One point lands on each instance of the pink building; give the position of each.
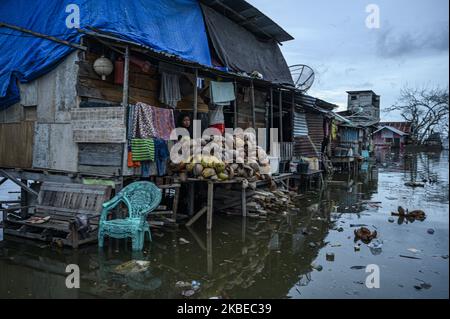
(388, 136)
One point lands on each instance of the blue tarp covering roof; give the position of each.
(172, 26)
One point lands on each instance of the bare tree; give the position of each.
(426, 109)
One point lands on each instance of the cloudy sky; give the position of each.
(411, 47)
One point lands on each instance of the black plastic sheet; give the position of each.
(241, 51)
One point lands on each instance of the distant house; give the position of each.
(388, 136)
(405, 127)
(434, 140)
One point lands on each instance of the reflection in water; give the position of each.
(273, 258)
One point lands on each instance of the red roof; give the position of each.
(401, 126)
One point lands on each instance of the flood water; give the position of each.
(275, 258)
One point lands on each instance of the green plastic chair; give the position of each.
(141, 198)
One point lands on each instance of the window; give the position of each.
(354, 97)
(388, 140)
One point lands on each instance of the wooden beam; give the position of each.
(244, 201)
(20, 184)
(196, 217)
(43, 36)
(210, 207)
(126, 77)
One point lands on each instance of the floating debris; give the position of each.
(133, 266)
(430, 231)
(411, 216)
(183, 241)
(414, 184)
(317, 267)
(330, 256)
(410, 257)
(365, 235)
(358, 267)
(391, 219)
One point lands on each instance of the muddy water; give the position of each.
(284, 257)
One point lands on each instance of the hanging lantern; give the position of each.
(103, 67)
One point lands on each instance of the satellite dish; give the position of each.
(303, 76)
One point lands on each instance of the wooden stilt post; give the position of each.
(209, 213)
(191, 190)
(244, 201)
(235, 105)
(126, 77)
(281, 115)
(195, 106)
(271, 107)
(253, 106)
(209, 253)
(24, 199)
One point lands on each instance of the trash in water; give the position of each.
(316, 266)
(133, 266)
(410, 257)
(365, 235)
(414, 184)
(413, 250)
(188, 293)
(184, 241)
(375, 247)
(357, 247)
(330, 256)
(358, 267)
(423, 285)
(430, 231)
(410, 216)
(182, 284)
(376, 244)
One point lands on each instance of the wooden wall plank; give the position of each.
(100, 154)
(16, 145)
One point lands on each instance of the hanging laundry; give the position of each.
(222, 93)
(161, 156)
(143, 126)
(170, 93)
(130, 162)
(143, 150)
(163, 122)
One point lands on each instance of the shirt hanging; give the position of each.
(222, 93)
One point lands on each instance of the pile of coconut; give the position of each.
(222, 158)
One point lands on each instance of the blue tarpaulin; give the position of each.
(172, 26)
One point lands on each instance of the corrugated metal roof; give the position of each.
(392, 129)
(251, 18)
(402, 126)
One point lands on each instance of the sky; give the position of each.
(410, 47)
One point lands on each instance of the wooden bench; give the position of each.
(64, 204)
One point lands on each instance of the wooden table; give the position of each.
(309, 176)
(348, 160)
(208, 209)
